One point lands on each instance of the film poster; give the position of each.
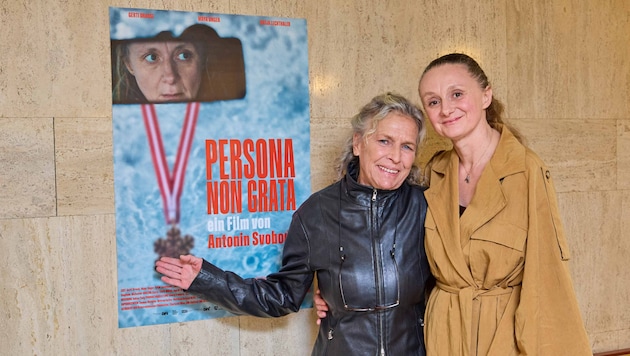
(211, 149)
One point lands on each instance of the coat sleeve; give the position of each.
(276, 295)
(548, 320)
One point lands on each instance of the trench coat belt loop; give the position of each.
(469, 304)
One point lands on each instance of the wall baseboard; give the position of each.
(624, 352)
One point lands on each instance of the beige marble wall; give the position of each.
(562, 68)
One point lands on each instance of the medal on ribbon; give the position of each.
(171, 183)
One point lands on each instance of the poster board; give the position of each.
(211, 149)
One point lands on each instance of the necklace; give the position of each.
(467, 179)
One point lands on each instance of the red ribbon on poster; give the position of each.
(171, 185)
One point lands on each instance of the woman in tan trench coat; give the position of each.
(494, 238)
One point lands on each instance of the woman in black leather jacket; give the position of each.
(362, 236)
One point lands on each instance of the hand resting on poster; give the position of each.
(179, 272)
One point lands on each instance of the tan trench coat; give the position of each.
(503, 284)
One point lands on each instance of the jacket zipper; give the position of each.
(379, 272)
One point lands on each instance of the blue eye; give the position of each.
(184, 56)
(151, 58)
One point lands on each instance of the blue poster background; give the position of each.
(276, 106)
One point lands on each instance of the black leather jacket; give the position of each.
(364, 228)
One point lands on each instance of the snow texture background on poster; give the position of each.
(275, 109)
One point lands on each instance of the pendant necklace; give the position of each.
(467, 179)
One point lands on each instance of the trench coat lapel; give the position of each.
(489, 198)
(487, 202)
(442, 197)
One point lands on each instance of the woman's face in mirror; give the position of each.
(166, 71)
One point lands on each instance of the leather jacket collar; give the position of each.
(363, 194)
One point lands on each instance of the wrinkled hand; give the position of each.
(320, 306)
(179, 272)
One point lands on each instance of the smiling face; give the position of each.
(454, 100)
(165, 71)
(387, 155)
